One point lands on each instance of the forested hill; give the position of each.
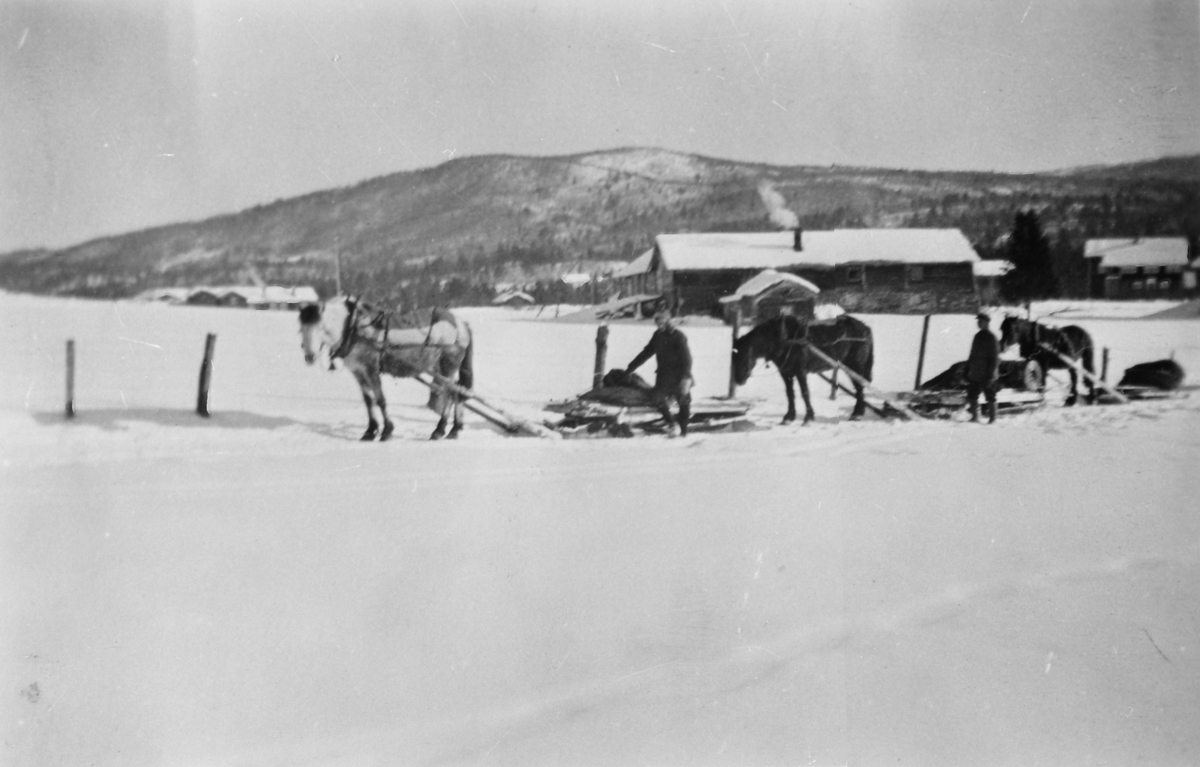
(475, 221)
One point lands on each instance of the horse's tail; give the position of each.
(862, 332)
(466, 371)
(869, 364)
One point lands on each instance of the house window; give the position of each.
(916, 273)
(1164, 285)
(854, 274)
(1137, 284)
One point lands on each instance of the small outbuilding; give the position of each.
(768, 294)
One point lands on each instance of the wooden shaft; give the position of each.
(504, 420)
(205, 375)
(71, 378)
(1104, 366)
(830, 379)
(1074, 364)
(833, 385)
(601, 355)
(921, 354)
(855, 377)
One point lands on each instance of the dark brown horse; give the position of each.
(785, 341)
(1048, 346)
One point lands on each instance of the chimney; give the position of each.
(797, 243)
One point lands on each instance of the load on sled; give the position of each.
(1020, 388)
(622, 405)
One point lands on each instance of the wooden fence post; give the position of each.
(205, 375)
(737, 323)
(601, 355)
(921, 354)
(70, 378)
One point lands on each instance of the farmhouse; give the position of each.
(864, 270)
(1145, 267)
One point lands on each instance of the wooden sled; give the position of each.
(944, 403)
(583, 418)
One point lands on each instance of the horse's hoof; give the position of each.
(368, 437)
(454, 433)
(437, 434)
(387, 432)
(1070, 402)
(855, 416)
(787, 419)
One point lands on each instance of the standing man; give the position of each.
(669, 347)
(983, 369)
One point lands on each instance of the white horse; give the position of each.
(370, 342)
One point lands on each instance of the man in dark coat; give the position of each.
(669, 347)
(983, 369)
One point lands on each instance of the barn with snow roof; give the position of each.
(864, 270)
(1140, 267)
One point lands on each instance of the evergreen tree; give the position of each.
(1032, 275)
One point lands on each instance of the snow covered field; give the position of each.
(260, 588)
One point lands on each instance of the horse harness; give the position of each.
(351, 332)
(802, 341)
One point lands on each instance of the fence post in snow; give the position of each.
(601, 354)
(70, 378)
(737, 327)
(205, 375)
(921, 354)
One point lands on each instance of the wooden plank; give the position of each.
(1096, 381)
(901, 409)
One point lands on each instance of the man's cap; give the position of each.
(984, 317)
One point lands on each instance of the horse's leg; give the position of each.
(368, 395)
(1073, 397)
(1088, 365)
(381, 402)
(860, 402)
(809, 415)
(790, 415)
(440, 430)
(457, 408)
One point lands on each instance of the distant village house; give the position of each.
(240, 296)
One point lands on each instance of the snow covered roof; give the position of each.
(991, 268)
(511, 295)
(774, 250)
(768, 278)
(1144, 251)
(639, 265)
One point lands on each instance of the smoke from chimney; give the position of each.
(777, 207)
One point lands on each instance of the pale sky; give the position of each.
(117, 115)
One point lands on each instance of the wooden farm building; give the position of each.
(864, 270)
(1146, 267)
